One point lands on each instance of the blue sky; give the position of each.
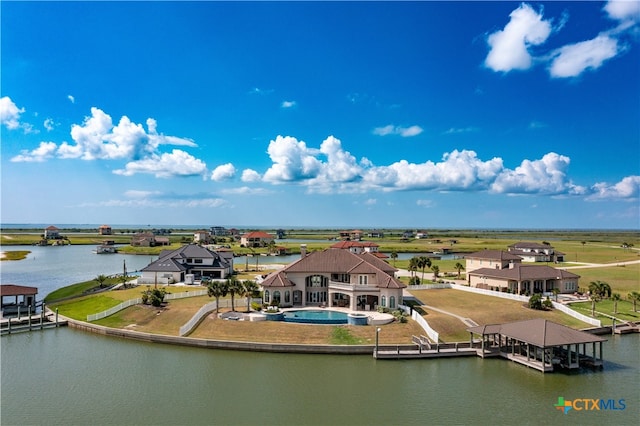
(323, 114)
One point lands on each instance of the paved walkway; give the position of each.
(467, 321)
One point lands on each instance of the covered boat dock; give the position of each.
(16, 299)
(540, 344)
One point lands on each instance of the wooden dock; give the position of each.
(33, 323)
(425, 349)
(627, 327)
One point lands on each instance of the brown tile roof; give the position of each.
(539, 332)
(278, 279)
(257, 234)
(338, 261)
(17, 290)
(522, 272)
(492, 255)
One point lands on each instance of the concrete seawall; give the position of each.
(233, 345)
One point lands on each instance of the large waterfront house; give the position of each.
(536, 252)
(51, 233)
(504, 271)
(256, 239)
(335, 277)
(188, 263)
(149, 239)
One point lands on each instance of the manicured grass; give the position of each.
(622, 279)
(343, 336)
(80, 308)
(625, 311)
(77, 289)
(15, 255)
(481, 309)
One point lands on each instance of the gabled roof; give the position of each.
(168, 259)
(493, 255)
(52, 228)
(349, 244)
(538, 332)
(521, 272)
(338, 261)
(257, 234)
(166, 264)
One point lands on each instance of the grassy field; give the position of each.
(14, 255)
(625, 311)
(622, 279)
(481, 309)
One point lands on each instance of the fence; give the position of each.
(429, 286)
(493, 293)
(577, 315)
(431, 333)
(131, 302)
(195, 320)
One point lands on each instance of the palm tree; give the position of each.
(250, 288)
(100, 279)
(616, 298)
(594, 298)
(555, 292)
(458, 267)
(217, 289)
(394, 256)
(234, 286)
(423, 262)
(436, 271)
(413, 265)
(600, 288)
(634, 296)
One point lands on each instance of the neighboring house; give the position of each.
(51, 233)
(105, 230)
(535, 252)
(335, 277)
(201, 237)
(359, 247)
(281, 234)
(354, 235)
(376, 233)
(420, 235)
(149, 239)
(174, 266)
(219, 231)
(524, 279)
(256, 239)
(496, 259)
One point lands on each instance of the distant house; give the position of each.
(280, 233)
(376, 233)
(175, 266)
(201, 236)
(354, 235)
(335, 277)
(51, 233)
(535, 252)
(256, 239)
(496, 259)
(105, 230)
(359, 247)
(219, 231)
(149, 239)
(524, 279)
(422, 235)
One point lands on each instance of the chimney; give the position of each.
(303, 250)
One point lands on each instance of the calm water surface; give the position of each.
(64, 376)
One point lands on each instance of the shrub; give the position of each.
(547, 304)
(535, 302)
(256, 306)
(415, 280)
(153, 297)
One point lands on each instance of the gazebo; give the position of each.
(539, 344)
(19, 298)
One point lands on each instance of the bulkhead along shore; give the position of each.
(387, 293)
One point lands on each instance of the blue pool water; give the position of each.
(316, 317)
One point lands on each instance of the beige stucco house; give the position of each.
(256, 239)
(335, 278)
(504, 271)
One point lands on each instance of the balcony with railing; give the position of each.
(336, 285)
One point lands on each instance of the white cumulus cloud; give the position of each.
(223, 172)
(627, 188)
(176, 163)
(292, 160)
(250, 175)
(10, 116)
(623, 10)
(573, 59)
(405, 132)
(288, 104)
(544, 176)
(509, 47)
(43, 152)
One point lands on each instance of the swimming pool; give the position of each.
(316, 317)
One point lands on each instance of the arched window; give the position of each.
(287, 296)
(384, 301)
(392, 302)
(266, 296)
(276, 296)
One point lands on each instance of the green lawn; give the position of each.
(625, 311)
(88, 305)
(622, 279)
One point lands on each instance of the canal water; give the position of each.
(64, 376)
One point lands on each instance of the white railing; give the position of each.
(428, 286)
(431, 333)
(352, 287)
(493, 293)
(577, 315)
(195, 320)
(131, 302)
